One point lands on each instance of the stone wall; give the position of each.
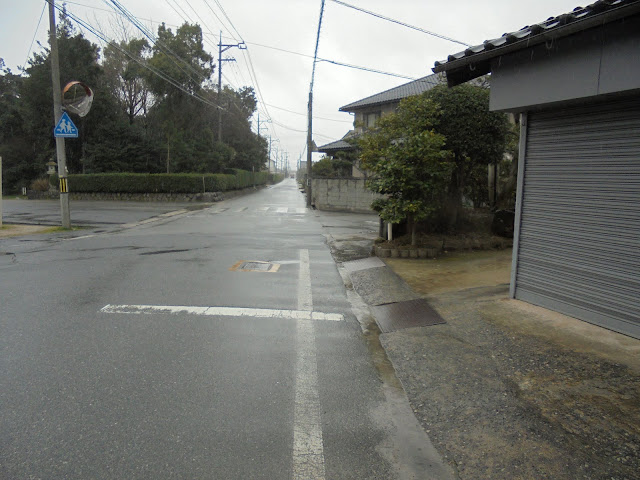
(342, 195)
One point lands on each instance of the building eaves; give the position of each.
(339, 145)
(415, 87)
(476, 60)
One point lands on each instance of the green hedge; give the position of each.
(165, 182)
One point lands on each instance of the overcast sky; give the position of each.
(269, 27)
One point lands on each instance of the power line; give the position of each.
(44, 5)
(366, 69)
(304, 114)
(334, 62)
(319, 59)
(228, 19)
(153, 70)
(400, 23)
(220, 20)
(156, 42)
(181, 9)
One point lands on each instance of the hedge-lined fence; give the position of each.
(168, 182)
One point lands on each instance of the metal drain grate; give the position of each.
(255, 266)
(413, 313)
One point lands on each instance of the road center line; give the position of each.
(308, 453)
(222, 312)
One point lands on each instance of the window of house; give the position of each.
(371, 119)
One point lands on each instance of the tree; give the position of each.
(251, 150)
(408, 163)
(328, 167)
(474, 135)
(126, 76)
(15, 149)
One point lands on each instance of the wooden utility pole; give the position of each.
(57, 114)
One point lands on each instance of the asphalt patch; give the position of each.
(379, 286)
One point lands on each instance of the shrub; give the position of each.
(165, 182)
(40, 185)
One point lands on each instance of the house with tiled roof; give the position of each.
(351, 194)
(367, 111)
(574, 81)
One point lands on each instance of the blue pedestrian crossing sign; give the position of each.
(65, 127)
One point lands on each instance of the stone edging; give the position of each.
(386, 252)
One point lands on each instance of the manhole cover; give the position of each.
(255, 266)
(413, 313)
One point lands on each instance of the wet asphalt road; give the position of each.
(98, 381)
(86, 213)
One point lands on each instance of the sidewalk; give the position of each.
(505, 389)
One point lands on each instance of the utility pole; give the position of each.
(310, 109)
(57, 114)
(309, 145)
(223, 48)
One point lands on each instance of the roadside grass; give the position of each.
(14, 230)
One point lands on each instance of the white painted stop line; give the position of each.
(222, 312)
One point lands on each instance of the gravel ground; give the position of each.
(506, 390)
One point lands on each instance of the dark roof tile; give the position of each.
(548, 26)
(416, 87)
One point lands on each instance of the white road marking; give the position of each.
(223, 312)
(77, 238)
(301, 210)
(282, 210)
(308, 453)
(305, 301)
(175, 212)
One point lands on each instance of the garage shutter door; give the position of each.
(579, 242)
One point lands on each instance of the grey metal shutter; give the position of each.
(579, 238)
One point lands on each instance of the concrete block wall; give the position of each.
(342, 195)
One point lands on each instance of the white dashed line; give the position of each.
(308, 453)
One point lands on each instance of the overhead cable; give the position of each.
(44, 5)
(145, 65)
(400, 23)
(373, 70)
